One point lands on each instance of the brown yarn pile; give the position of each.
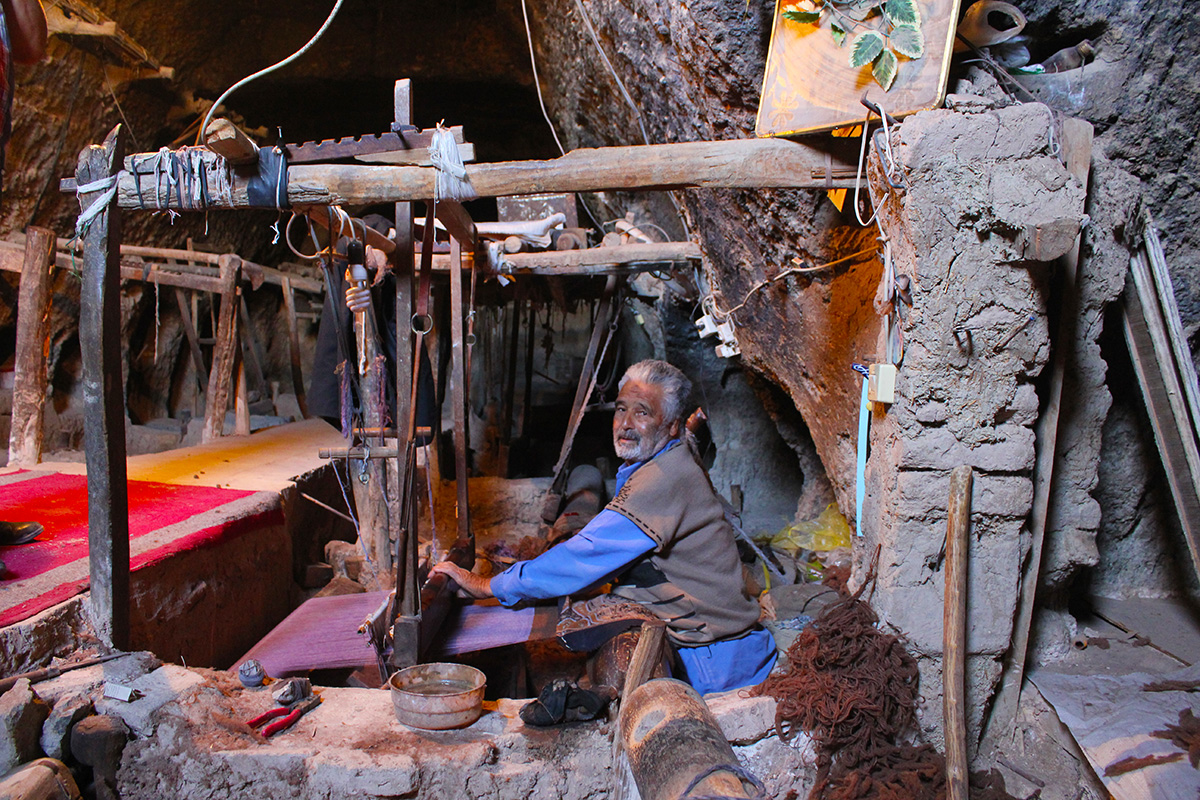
(853, 688)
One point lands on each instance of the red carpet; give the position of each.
(59, 502)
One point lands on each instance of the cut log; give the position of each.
(621, 260)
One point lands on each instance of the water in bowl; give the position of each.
(438, 687)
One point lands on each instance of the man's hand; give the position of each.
(359, 298)
(469, 584)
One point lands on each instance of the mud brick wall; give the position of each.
(988, 205)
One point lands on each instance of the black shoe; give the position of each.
(563, 701)
(19, 532)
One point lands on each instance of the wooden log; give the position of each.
(33, 350)
(732, 164)
(228, 141)
(954, 634)
(289, 303)
(739, 163)
(189, 330)
(224, 352)
(621, 260)
(458, 224)
(104, 398)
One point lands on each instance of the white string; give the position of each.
(208, 117)
(537, 83)
(98, 205)
(637, 114)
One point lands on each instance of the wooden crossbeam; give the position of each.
(734, 164)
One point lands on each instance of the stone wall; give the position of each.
(980, 184)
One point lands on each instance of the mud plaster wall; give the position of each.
(978, 185)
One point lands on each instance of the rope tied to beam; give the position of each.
(451, 182)
(109, 186)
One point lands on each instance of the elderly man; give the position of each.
(664, 540)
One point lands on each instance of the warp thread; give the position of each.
(451, 182)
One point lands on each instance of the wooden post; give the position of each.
(251, 348)
(289, 303)
(221, 378)
(459, 396)
(407, 626)
(241, 404)
(33, 349)
(954, 634)
(104, 396)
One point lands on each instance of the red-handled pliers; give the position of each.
(285, 717)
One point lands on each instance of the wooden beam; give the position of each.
(224, 352)
(458, 358)
(626, 259)
(459, 225)
(733, 164)
(104, 397)
(33, 350)
(417, 158)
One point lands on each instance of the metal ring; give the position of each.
(470, 339)
(287, 239)
(422, 329)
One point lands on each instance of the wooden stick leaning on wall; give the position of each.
(954, 634)
(217, 399)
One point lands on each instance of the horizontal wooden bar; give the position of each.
(598, 260)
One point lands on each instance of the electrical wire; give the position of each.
(711, 303)
(324, 27)
(537, 84)
(637, 114)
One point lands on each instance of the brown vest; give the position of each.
(692, 580)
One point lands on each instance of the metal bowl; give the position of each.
(438, 696)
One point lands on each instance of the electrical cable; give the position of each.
(325, 26)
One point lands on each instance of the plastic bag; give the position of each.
(826, 532)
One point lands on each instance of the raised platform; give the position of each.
(211, 541)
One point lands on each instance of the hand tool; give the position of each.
(284, 717)
(53, 672)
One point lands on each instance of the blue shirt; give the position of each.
(598, 553)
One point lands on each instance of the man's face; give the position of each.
(639, 426)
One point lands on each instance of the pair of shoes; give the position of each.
(19, 532)
(563, 701)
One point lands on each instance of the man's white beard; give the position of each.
(641, 450)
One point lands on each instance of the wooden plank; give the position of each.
(224, 352)
(459, 225)
(1145, 334)
(230, 143)
(738, 163)
(418, 157)
(104, 398)
(189, 330)
(289, 303)
(623, 260)
(1077, 147)
(1170, 312)
(954, 634)
(647, 654)
(33, 350)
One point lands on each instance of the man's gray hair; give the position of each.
(675, 385)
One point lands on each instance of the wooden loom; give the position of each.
(744, 164)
